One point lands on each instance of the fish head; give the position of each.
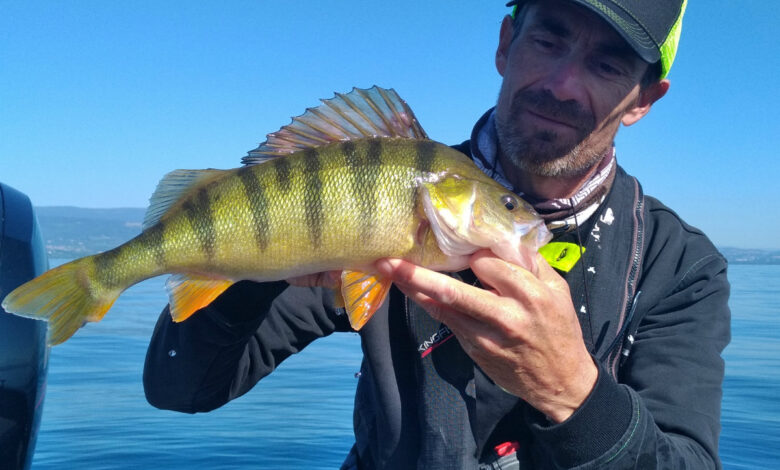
(469, 213)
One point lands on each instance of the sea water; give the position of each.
(95, 415)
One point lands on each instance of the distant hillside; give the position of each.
(72, 232)
(748, 256)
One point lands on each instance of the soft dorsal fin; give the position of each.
(171, 188)
(361, 113)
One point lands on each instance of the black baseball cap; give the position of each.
(651, 27)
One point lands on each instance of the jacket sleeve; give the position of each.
(665, 410)
(222, 351)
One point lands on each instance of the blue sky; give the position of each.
(100, 99)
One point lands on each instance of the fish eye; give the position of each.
(509, 201)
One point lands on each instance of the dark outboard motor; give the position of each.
(23, 352)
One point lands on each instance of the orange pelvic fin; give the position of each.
(188, 294)
(363, 293)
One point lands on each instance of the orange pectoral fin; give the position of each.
(187, 295)
(363, 294)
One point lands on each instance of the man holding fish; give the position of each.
(604, 353)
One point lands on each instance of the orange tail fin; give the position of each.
(63, 297)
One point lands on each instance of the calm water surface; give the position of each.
(95, 415)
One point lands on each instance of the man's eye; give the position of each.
(608, 69)
(544, 44)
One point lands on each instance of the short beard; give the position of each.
(541, 152)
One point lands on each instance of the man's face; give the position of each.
(569, 78)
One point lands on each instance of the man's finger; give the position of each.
(441, 288)
(507, 279)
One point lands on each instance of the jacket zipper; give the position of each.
(633, 274)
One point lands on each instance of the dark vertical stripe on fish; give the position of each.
(348, 149)
(365, 187)
(426, 151)
(153, 239)
(356, 167)
(374, 155)
(198, 212)
(313, 194)
(282, 170)
(255, 195)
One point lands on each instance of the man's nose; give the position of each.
(566, 81)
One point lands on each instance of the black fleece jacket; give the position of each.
(655, 317)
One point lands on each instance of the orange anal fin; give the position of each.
(363, 294)
(101, 308)
(187, 294)
(338, 299)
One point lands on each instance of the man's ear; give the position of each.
(504, 42)
(647, 97)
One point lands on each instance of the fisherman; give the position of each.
(603, 354)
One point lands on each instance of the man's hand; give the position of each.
(521, 328)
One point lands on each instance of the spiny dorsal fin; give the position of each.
(171, 189)
(361, 113)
